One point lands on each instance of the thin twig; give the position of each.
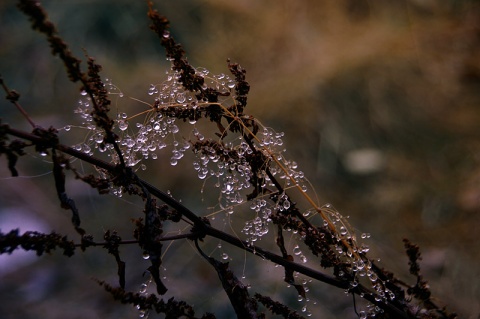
(13, 97)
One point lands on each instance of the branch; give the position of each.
(204, 229)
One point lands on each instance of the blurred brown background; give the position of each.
(379, 101)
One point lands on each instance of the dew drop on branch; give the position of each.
(122, 125)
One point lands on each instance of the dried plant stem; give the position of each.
(272, 156)
(13, 97)
(202, 229)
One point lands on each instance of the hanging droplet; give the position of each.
(174, 129)
(181, 97)
(303, 258)
(152, 89)
(296, 250)
(143, 288)
(224, 256)
(122, 125)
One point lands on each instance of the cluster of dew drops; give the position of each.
(142, 137)
(155, 131)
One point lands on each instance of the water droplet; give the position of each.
(296, 250)
(173, 161)
(83, 93)
(120, 94)
(98, 138)
(202, 71)
(224, 256)
(86, 148)
(181, 97)
(364, 248)
(231, 84)
(174, 129)
(152, 90)
(146, 256)
(67, 128)
(122, 125)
